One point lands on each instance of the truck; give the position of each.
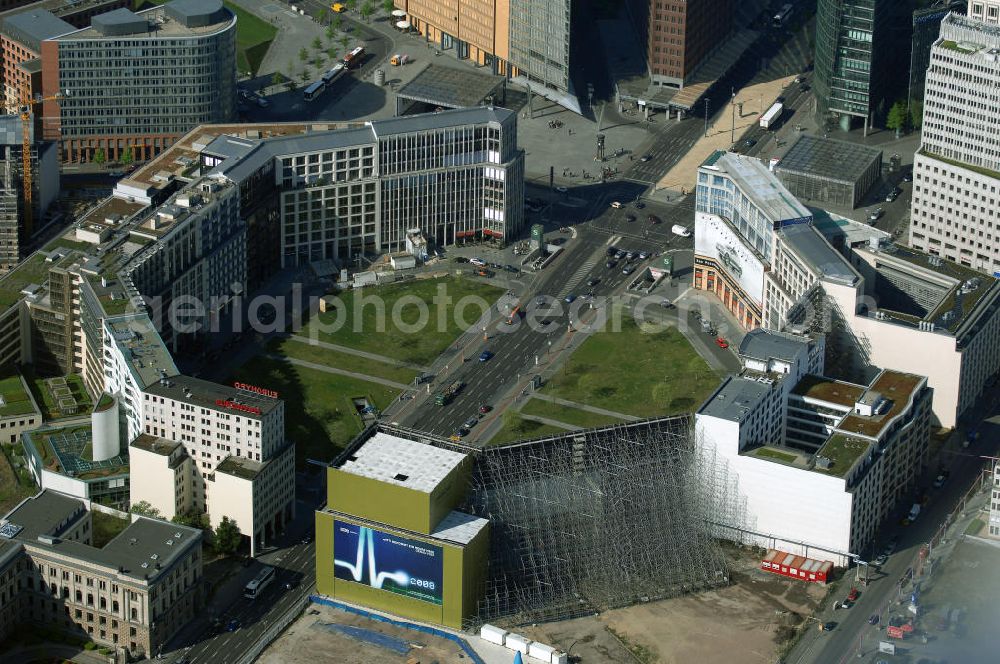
(770, 119)
(444, 397)
(680, 230)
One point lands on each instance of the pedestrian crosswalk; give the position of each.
(579, 276)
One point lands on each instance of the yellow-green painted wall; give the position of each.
(377, 501)
(463, 576)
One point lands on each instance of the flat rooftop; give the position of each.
(241, 467)
(450, 87)
(159, 25)
(736, 396)
(459, 527)
(32, 26)
(15, 398)
(139, 341)
(896, 387)
(757, 182)
(155, 444)
(762, 344)
(829, 390)
(843, 452)
(68, 450)
(402, 462)
(829, 159)
(815, 250)
(205, 394)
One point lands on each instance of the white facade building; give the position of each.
(956, 171)
(985, 10)
(814, 465)
(232, 460)
(994, 530)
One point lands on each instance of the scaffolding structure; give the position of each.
(595, 519)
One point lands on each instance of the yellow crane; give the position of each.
(27, 177)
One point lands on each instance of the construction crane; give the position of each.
(27, 103)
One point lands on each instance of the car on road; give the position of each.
(616, 205)
(939, 481)
(630, 256)
(882, 559)
(291, 584)
(873, 619)
(511, 268)
(750, 142)
(478, 261)
(852, 596)
(629, 218)
(646, 157)
(569, 298)
(721, 343)
(804, 87)
(828, 626)
(233, 625)
(893, 195)
(612, 251)
(485, 356)
(875, 214)
(667, 304)
(562, 190)
(471, 422)
(628, 269)
(643, 255)
(890, 546)
(620, 254)
(593, 281)
(484, 408)
(611, 264)
(908, 177)
(653, 219)
(460, 433)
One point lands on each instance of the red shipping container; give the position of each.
(797, 567)
(894, 632)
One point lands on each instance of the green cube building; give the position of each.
(390, 537)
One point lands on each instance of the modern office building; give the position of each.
(116, 102)
(14, 237)
(987, 11)
(221, 450)
(682, 34)
(860, 50)
(927, 19)
(956, 171)
(132, 594)
(816, 463)
(823, 170)
(515, 38)
(391, 506)
(776, 264)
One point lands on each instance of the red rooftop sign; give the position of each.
(256, 390)
(232, 405)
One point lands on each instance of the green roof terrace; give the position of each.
(898, 388)
(16, 400)
(829, 390)
(843, 452)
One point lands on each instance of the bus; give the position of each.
(781, 18)
(354, 58)
(314, 90)
(256, 586)
(334, 73)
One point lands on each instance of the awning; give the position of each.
(465, 233)
(489, 231)
(403, 25)
(399, 13)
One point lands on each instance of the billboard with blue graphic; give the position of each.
(387, 562)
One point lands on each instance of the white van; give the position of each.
(914, 512)
(681, 230)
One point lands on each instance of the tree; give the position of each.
(321, 16)
(336, 22)
(100, 158)
(227, 537)
(917, 114)
(127, 156)
(303, 54)
(344, 41)
(388, 6)
(351, 4)
(317, 44)
(331, 34)
(143, 508)
(367, 10)
(896, 120)
(277, 78)
(332, 53)
(193, 519)
(304, 75)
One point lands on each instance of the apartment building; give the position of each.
(814, 464)
(135, 82)
(233, 461)
(14, 235)
(133, 594)
(21, 37)
(681, 34)
(515, 38)
(956, 171)
(987, 11)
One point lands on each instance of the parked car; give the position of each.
(892, 195)
(478, 261)
(616, 205)
(612, 250)
(908, 177)
(611, 264)
(593, 281)
(875, 214)
(484, 408)
(873, 619)
(643, 255)
(646, 157)
(852, 596)
(461, 259)
(569, 298)
(233, 625)
(511, 268)
(620, 254)
(471, 422)
(461, 433)
(750, 142)
(628, 269)
(939, 481)
(630, 256)
(653, 219)
(562, 190)
(721, 343)
(828, 626)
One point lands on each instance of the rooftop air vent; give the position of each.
(177, 535)
(144, 565)
(823, 462)
(155, 556)
(400, 477)
(170, 542)
(133, 542)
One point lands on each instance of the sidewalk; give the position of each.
(591, 409)
(354, 351)
(340, 372)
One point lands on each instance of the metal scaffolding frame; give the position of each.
(595, 519)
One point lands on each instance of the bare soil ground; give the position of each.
(324, 635)
(743, 622)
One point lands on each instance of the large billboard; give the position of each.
(714, 238)
(387, 562)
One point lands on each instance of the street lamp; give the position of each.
(706, 115)
(732, 102)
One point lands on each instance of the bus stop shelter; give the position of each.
(440, 87)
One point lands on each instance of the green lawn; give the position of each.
(304, 351)
(319, 415)
(516, 427)
(375, 331)
(11, 490)
(635, 373)
(47, 403)
(253, 35)
(581, 418)
(106, 527)
(16, 400)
